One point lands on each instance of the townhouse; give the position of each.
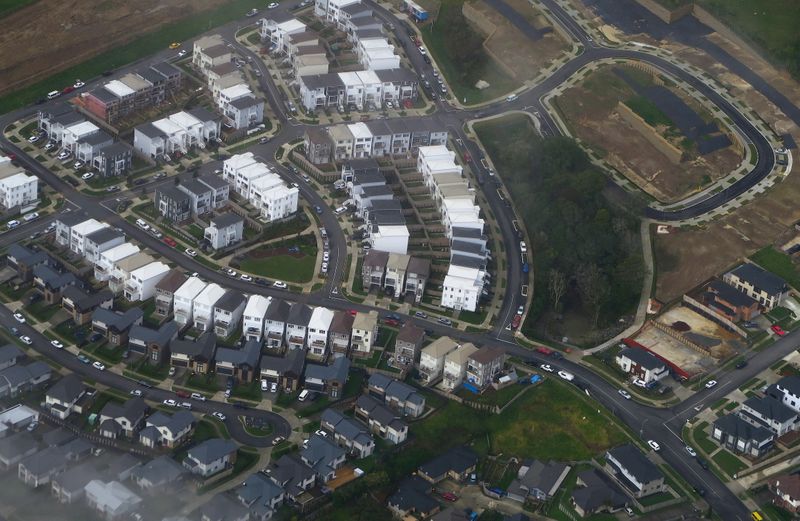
(141, 285)
(330, 10)
(161, 473)
(417, 274)
(381, 420)
(228, 312)
(52, 283)
(286, 371)
(276, 28)
(770, 413)
(373, 268)
(631, 468)
(397, 395)
(275, 322)
(728, 302)
(173, 204)
(40, 468)
(183, 300)
(347, 433)
(737, 435)
(241, 364)
(240, 107)
(641, 364)
(194, 355)
(177, 133)
(107, 260)
(122, 419)
(123, 269)
(210, 51)
(164, 430)
(262, 187)
(210, 457)
(65, 397)
(431, 360)
(766, 288)
(115, 326)
(484, 365)
(260, 495)
(365, 333)
(297, 325)
(323, 456)
(318, 326)
(153, 344)
(18, 190)
(462, 288)
(23, 260)
(396, 267)
(81, 304)
(101, 240)
(408, 344)
(224, 230)
(18, 379)
(203, 307)
(455, 366)
(165, 291)
(328, 379)
(362, 90)
(292, 475)
(253, 317)
(79, 233)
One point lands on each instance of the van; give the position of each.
(512, 97)
(523, 247)
(303, 395)
(142, 224)
(53, 94)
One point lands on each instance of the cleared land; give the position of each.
(677, 150)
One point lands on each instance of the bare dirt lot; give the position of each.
(520, 55)
(593, 111)
(675, 351)
(50, 35)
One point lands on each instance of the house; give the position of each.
(225, 230)
(462, 288)
(223, 507)
(296, 325)
(413, 498)
(274, 199)
(347, 433)
(456, 464)
(728, 302)
(365, 333)
(275, 323)
(260, 495)
(373, 268)
(241, 364)
(165, 291)
(538, 480)
(381, 420)
(770, 413)
(19, 379)
(397, 395)
(24, 260)
(101, 240)
(408, 343)
(631, 468)
(417, 275)
(253, 317)
(220, 190)
(183, 300)
(276, 27)
(112, 500)
(64, 397)
(82, 304)
(210, 457)
(114, 326)
(596, 493)
(128, 417)
(163, 430)
(322, 456)
(16, 417)
(152, 344)
(292, 475)
(18, 190)
(328, 379)
(317, 146)
(395, 278)
(786, 491)
(787, 389)
(142, 282)
(203, 306)
(455, 366)
(123, 269)
(173, 204)
(158, 474)
(176, 134)
(228, 312)
(10, 355)
(484, 365)
(69, 486)
(64, 224)
(113, 160)
(431, 360)
(15, 448)
(210, 51)
(107, 260)
(52, 283)
(39, 468)
(340, 330)
(641, 364)
(735, 434)
(286, 371)
(80, 232)
(194, 355)
(766, 288)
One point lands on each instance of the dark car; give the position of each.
(95, 337)
(741, 364)
(700, 491)
(703, 463)
(240, 405)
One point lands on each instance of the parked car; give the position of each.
(264, 385)
(26, 339)
(57, 344)
(445, 321)
(78, 84)
(169, 402)
(99, 366)
(691, 451)
(654, 445)
(170, 242)
(185, 405)
(449, 496)
(246, 278)
(12, 224)
(62, 155)
(566, 376)
(280, 285)
(277, 440)
(420, 314)
(198, 396)
(625, 394)
(710, 384)
(84, 359)
(547, 367)
(19, 317)
(30, 216)
(87, 175)
(272, 5)
(219, 416)
(136, 392)
(778, 330)
(171, 371)
(190, 252)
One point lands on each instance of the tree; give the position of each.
(593, 287)
(557, 286)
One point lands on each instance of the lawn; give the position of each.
(251, 391)
(318, 405)
(155, 372)
(245, 459)
(458, 51)
(729, 463)
(492, 397)
(141, 46)
(42, 311)
(201, 382)
(701, 438)
(284, 267)
(778, 263)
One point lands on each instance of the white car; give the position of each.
(170, 402)
(87, 176)
(62, 155)
(653, 445)
(19, 318)
(520, 310)
(326, 256)
(566, 376)
(264, 385)
(26, 339)
(272, 5)
(273, 387)
(246, 278)
(320, 432)
(57, 344)
(78, 84)
(30, 216)
(280, 285)
(198, 396)
(691, 451)
(12, 224)
(219, 416)
(710, 384)
(185, 405)
(78, 164)
(99, 366)
(547, 367)
(190, 252)
(33, 139)
(182, 53)
(625, 394)
(136, 392)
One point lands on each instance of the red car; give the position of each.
(516, 321)
(183, 394)
(778, 330)
(170, 241)
(353, 312)
(467, 157)
(449, 496)
(391, 322)
(67, 90)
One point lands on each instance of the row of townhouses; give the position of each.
(85, 140)
(257, 183)
(176, 134)
(396, 274)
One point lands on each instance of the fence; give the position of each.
(709, 313)
(94, 438)
(311, 169)
(680, 338)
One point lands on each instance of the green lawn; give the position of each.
(141, 46)
(701, 438)
(778, 263)
(201, 382)
(42, 311)
(284, 267)
(729, 463)
(318, 405)
(245, 459)
(251, 391)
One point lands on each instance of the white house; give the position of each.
(183, 300)
(276, 28)
(178, 132)
(79, 232)
(364, 333)
(431, 360)
(390, 238)
(100, 241)
(318, 327)
(203, 306)
(224, 230)
(232, 165)
(642, 364)
(123, 268)
(462, 288)
(455, 366)
(247, 175)
(107, 259)
(329, 10)
(75, 133)
(142, 282)
(227, 312)
(245, 111)
(18, 190)
(273, 197)
(253, 317)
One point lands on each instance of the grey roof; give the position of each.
(203, 114)
(68, 389)
(258, 492)
(457, 459)
(410, 333)
(360, 22)
(289, 472)
(320, 453)
(377, 191)
(150, 75)
(246, 102)
(175, 423)
(17, 375)
(293, 362)
(542, 476)
(299, 314)
(467, 261)
(158, 471)
(9, 352)
(366, 176)
(342, 323)
(25, 255)
(211, 450)
(227, 219)
(53, 279)
(194, 186)
(74, 479)
(173, 280)
(150, 130)
(131, 410)
(57, 437)
(121, 465)
(45, 460)
(16, 444)
(231, 300)
(247, 355)
(109, 425)
(222, 507)
(334, 372)
(368, 33)
(84, 301)
(278, 310)
(733, 425)
(104, 95)
(202, 347)
(77, 447)
(166, 68)
(376, 258)
(117, 321)
(635, 462)
(398, 75)
(770, 408)
(599, 491)
(419, 266)
(321, 81)
(346, 427)
(641, 357)
(160, 336)
(386, 217)
(386, 204)
(383, 415)
(213, 180)
(68, 118)
(115, 149)
(791, 383)
(171, 191)
(96, 138)
(224, 68)
(412, 495)
(467, 247)
(215, 51)
(104, 235)
(466, 233)
(396, 389)
(356, 8)
(760, 278)
(730, 294)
